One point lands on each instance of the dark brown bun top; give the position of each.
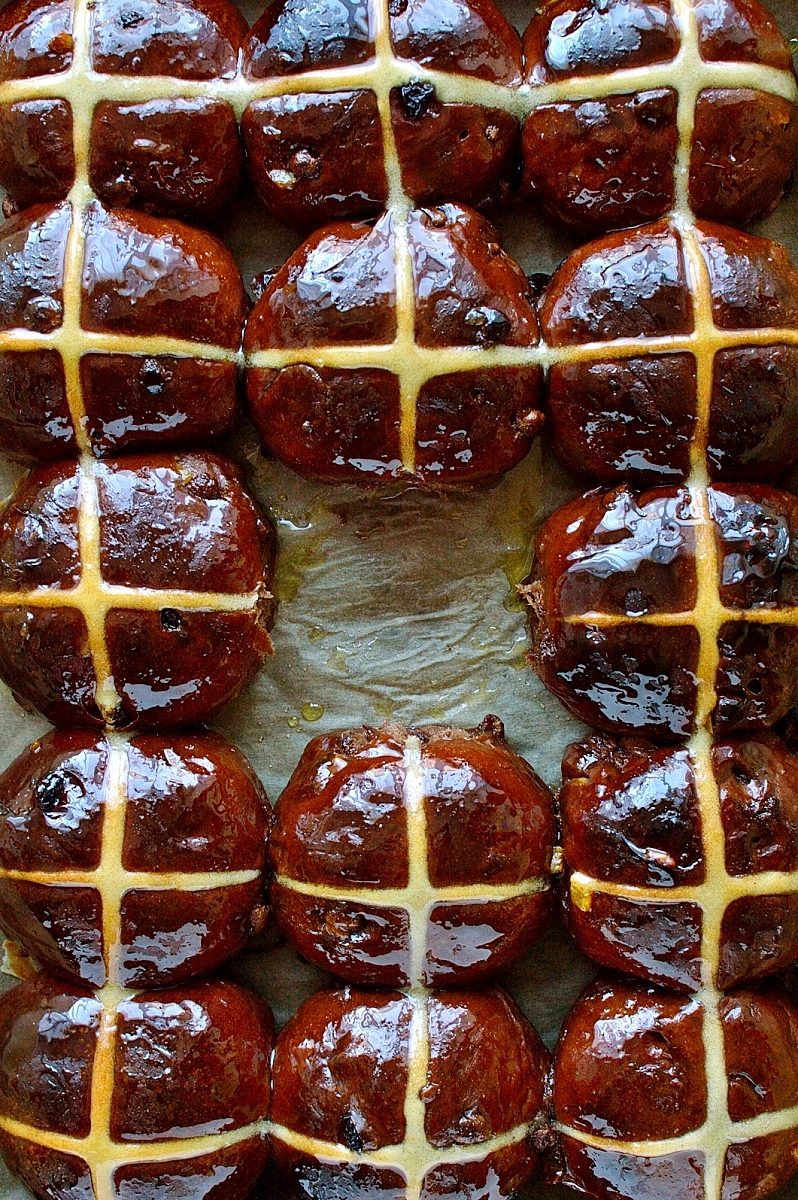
(137, 862)
(35, 38)
(340, 287)
(635, 411)
(487, 812)
(170, 153)
(618, 617)
(455, 420)
(192, 559)
(634, 284)
(473, 38)
(636, 1065)
(663, 344)
(594, 1083)
(200, 38)
(161, 308)
(151, 1087)
(190, 39)
(611, 785)
(407, 856)
(592, 158)
(587, 37)
(179, 154)
(142, 276)
(598, 156)
(644, 895)
(446, 1087)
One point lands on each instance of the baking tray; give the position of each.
(400, 605)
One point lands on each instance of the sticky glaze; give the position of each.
(637, 877)
(600, 84)
(640, 1109)
(459, 297)
(620, 622)
(149, 356)
(633, 413)
(170, 155)
(649, 125)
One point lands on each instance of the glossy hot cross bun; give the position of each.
(418, 856)
(654, 613)
(661, 338)
(133, 592)
(391, 1095)
(76, 86)
(419, 104)
(682, 862)
(646, 105)
(656, 1095)
(117, 332)
(137, 862)
(135, 1094)
(377, 351)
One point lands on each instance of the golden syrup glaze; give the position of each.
(631, 833)
(718, 1132)
(413, 1159)
(415, 1072)
(707, 616)
(690, 72)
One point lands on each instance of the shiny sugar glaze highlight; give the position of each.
(639, 323)
(119, 332)
(655, 613)
(638, 885)
(397, 1095)
(657, 1094)
(652, 341)
(378, 351)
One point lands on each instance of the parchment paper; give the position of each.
(400, 605)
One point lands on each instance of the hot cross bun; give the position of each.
(424, 1093)
(133, 592)
(117, 1093)
(132, 861)
(418, 856)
